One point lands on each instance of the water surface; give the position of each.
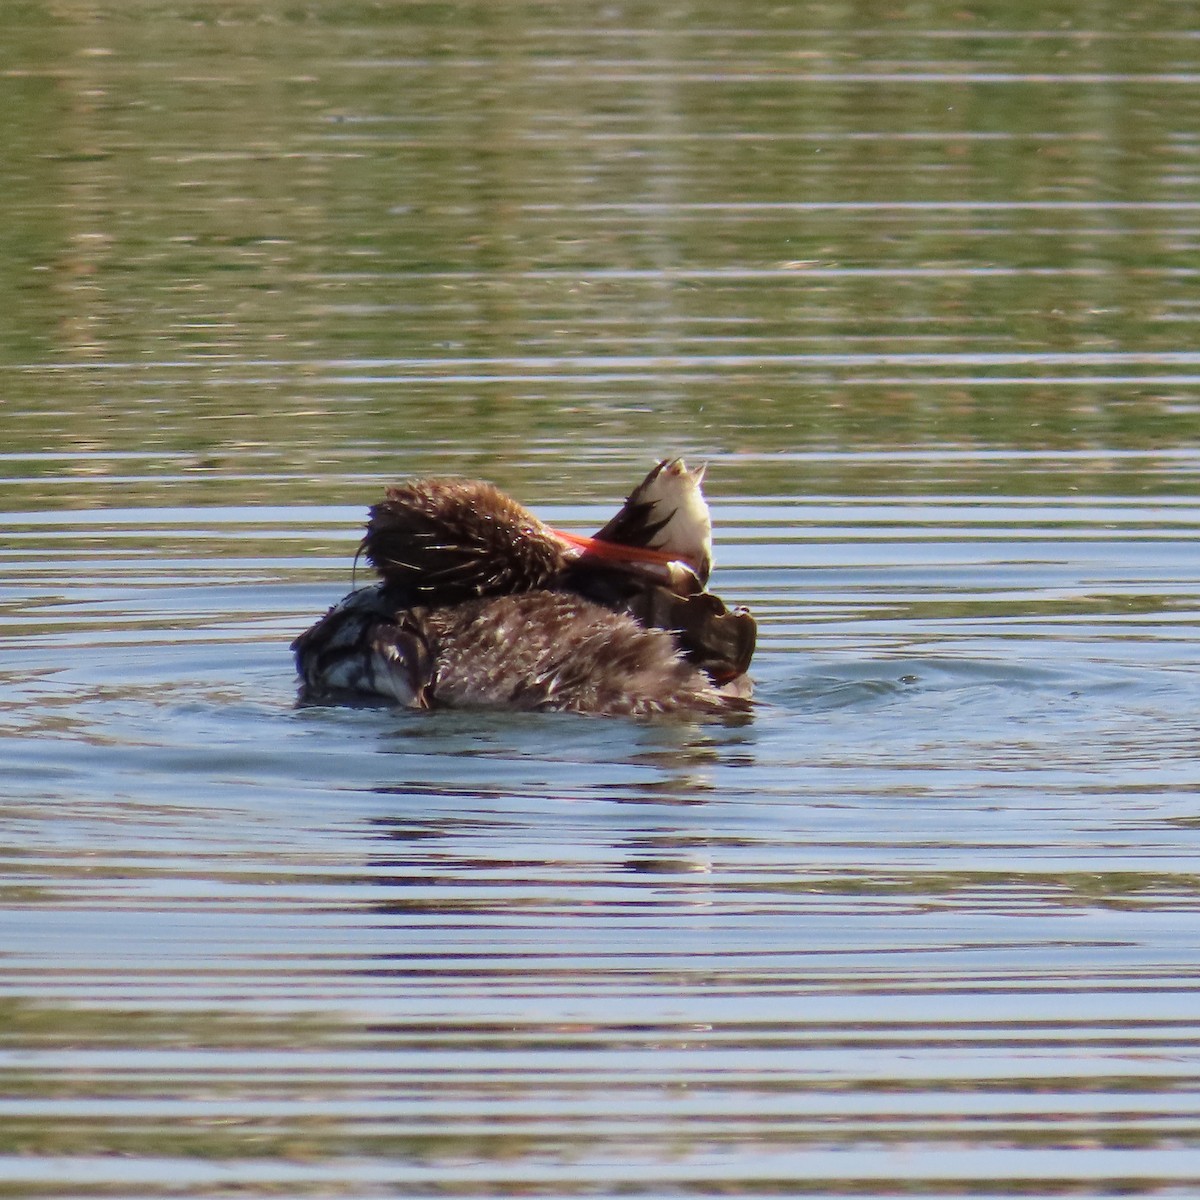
(918, 284)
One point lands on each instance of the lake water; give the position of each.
(919, 284)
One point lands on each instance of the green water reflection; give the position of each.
(468, 230)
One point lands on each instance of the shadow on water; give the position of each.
(565, 758)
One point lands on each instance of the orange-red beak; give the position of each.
(612, 551)
(673, 572)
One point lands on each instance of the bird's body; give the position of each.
(481, 605)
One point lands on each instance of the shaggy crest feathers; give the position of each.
(458, 538)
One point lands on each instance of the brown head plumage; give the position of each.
(448, 540)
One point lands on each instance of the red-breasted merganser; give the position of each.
(482, 605)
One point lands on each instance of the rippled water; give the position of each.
(934, 905)
(919, 285)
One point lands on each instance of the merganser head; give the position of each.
(448, 540)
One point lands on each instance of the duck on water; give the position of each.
(482, 605)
